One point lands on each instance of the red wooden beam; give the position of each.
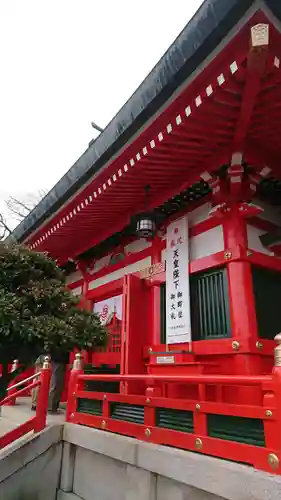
(255, 69)
(251, 380)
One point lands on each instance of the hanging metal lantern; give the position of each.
(146, 223)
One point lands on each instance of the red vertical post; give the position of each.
(272, 421)
(156, 256)
(43, 396)
(77, 370)
(242, 303)
(135, 331)
(84, 303)
(156, 250)
(155, 308)
(241, 294)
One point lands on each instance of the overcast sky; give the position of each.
(65, 63)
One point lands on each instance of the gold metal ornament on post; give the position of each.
(235, 345)
(198, 444)
(277, 350)
(259, 345)
(78, 365)
(227, 255)
(147, 433)
(273, 461)
(46, 364)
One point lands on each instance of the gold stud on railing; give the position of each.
(235, 345)
(268, 413)
(259, 345)
(105, 397)
(197, 407)
(227, 255)
(273, 461)
(277, 350)
(198, 444)
(147, 401)
(147, 433)
(46, 364)
(77, 365)
(103, 424)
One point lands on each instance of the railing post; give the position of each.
(15, 366)
(77, 370)
(43, 396)
(274, 458)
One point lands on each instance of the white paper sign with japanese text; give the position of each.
(178, 321)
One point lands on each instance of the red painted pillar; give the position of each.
(241, 294)
(84, 304)
(43, 396)
(242, 302)
(155, 323)
(72, 387)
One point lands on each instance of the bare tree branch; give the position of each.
(4, 229)
(12, 202)
(17, 210)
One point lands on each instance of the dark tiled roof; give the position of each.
(199, 38)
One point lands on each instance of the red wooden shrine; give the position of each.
(211, 153)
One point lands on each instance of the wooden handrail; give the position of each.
(24, 381)
(20, 392)
(194, 379)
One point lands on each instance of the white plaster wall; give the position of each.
(120, 273)
(270, 213)
(254, 243)
(207, 243)
(204, 244)
(137, 246)
(101, 263)
(71, 278)
(199, 214)
(163, 255)
(77, 291)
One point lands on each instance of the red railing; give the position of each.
(21, 377)
(37, 423)
(264, 454)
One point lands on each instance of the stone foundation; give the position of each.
(73, 462)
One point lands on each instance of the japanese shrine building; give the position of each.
(184, 186)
